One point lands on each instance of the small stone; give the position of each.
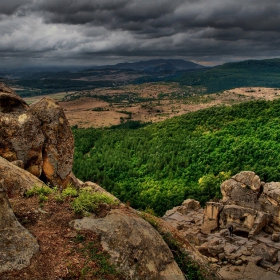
(42, 211)
(225, 262)
(268, 230)
(246, 253)
(275, 237)
(238, 262)
(214, 260)
(236, 269)
(71, 234)
(221, 256)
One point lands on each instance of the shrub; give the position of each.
(41, 191)
(69, 191)
(88, 201)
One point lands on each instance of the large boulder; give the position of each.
(9, 101)
(270, 201)
(38, 135)
(59, 141)
(16, 180)
(17, 245)
(266, 252)
(249, 179)
(243, 219)
(134, 245)
(21, 136)
(242, 189)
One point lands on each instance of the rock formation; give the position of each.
(16, 179)
(38, 135)
(253, 209)
(17, 245)
(134, 245)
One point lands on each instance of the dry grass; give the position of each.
(82, 112)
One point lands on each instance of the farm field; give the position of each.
(159, 102)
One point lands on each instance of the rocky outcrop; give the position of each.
(9, 101)
(211, 217)
(134, 245)
(16, 180)
(58, 147)
(38, 135)
(252, 207)
(17, 245)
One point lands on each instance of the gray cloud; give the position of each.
(106, 31)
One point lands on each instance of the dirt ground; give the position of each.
(64, 252)
(81, 112)
(160, 102)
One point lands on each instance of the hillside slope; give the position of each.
(250, 73)
(162, 164)
(156, 65)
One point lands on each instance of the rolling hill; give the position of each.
(156, 65)
(159, 165)
(250, 73)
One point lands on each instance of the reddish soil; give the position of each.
(82, 112)
(64, 253)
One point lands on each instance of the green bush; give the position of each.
(88, 201)
(41, 191)
(69, 192)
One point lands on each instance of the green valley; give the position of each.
(157, 166)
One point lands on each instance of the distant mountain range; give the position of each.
(156, 65)
(248, 73)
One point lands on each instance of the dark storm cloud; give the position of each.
(199, 30)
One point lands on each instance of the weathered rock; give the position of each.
(239, 262)
(195, 238)
(265, 252)
(272, 191)
(133, 245)
(268, 229)
(21, 137)
(246, 253)
(221, 256)
(213, 247)
(188, 205)
(252, 207)
(211, 217)
(270, 201)
(17, 180)
(17, 245)
(248, 178)
(18, 163)
(275, 237)
(10, 101)
(39, 135)
(59, 142)
(229, 249)
(243, 219)
(261, 221)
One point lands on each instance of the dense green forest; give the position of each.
(159, 165)
(249, 73)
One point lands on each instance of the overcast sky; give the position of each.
(95, 32)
